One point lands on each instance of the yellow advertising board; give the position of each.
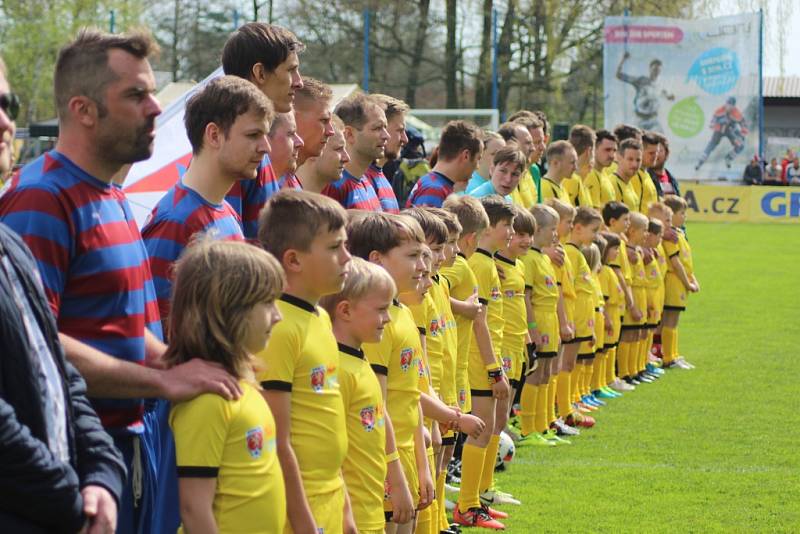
(721, 203)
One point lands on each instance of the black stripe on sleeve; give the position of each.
(276, 385)
(194, 471)
(483, 301)
(380, 369)
(422, 330)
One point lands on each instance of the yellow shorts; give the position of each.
(640, 299)
(512, 361)
(584, 320)
(478, 375)
(327, 511)
(447, 391)
(547, 324)
(409, 464)
(462, 390)
(588, 349)
(615, 314)
(675, 294)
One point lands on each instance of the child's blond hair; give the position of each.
(563, 209)
(469, 212)
(433, 227)
(675, 203)
(592, 254)
(363, 279)
(448, 218)
(659, 209)
(544, 215)
(217, 283)
(638, 221)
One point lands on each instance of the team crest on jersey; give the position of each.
(433, 328)
(591, 323)
(422, 371)
(331, 377)
(548, 281)
(318, 378)
(406, 356)
(506, 364)
(545, 339)
(586, 277)
(654, 272)
(495, 294)
(387, 490)
(509, 293)
(255, 441)
(368, 418)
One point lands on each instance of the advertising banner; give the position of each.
(695, 81)
(754, 204)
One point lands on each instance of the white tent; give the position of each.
(148, 181)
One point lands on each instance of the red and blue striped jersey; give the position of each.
(353, 193)
(178, 216)
(430, 190)
(247, 197)
(290, 181)
(93, 264)
(383, 188)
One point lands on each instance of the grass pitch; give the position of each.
(714, 449)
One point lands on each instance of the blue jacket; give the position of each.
(37, 491)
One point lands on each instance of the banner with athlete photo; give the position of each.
(695, 81)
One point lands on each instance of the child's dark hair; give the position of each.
(654, 226)
(612, 240)
(614, 210)
(601, 243)
(497, 209)
(434, 228)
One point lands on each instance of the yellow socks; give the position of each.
(551, 400)
(588, 367)
(576, 382)
(669, 343)
(598, 371)
(472, 458)
(611, 365)
(528, 407)
(623, 351)
(442, 519)
(540, 417)
(564, 394)
(487, 477)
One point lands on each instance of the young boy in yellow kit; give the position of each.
(679, 283)
(616, 216)
(614, 308)
(360, 312)
(655, 271)
(570, 414)
(488, 384)
(543, 328)
(301, 361)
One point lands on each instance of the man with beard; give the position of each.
(316, 173)
(267, 56)
(93, 262)
(366, 136)
(378, 170)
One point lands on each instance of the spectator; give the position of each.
(785, 163)
(773, 176)
(793, 173)
(753, 173)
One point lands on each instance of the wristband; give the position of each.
(532, 325)
(392, 457)
(496, 376)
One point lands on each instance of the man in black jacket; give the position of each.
(59, 470)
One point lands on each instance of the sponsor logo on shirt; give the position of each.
(495, 293)
(318, 378)
(406, 356)
(506, 364)
(434, 327)
(255, 441)
(368, 418)
(548, 281)
(509, 293)
(462, 397)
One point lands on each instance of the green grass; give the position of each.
(709, 450)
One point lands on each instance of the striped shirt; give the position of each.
(178, 216)
(383, 188)
(247, 197)
(430, 190)
(290, 181)
(93, 264)
(353, 193)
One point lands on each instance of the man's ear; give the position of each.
(212, 136)
(258, 74)
(83, 110)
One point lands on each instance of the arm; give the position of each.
(533, 333)
(348, 522)
(680, 272)
(402, 502)
(467, 308)
(621, 76)
(435, 409)
(566, 331)
(297, 509)
(111, 377)
(197, 505)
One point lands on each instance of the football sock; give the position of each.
(487, 477)
(528, 407)
(442, 520)
(564, 393)
(611, 363)
(669, 342)
(623, 351)
(540, 419)
(472, 458)
(598, 371)
(588, 369)
(551, 400)
(576, 379)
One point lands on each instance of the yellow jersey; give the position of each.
(463, 284)
(683, 250)
(398, 357)
(582, 274)
(448, 335)
(541, 277)
(364, 467)
(645, 189)
(302, 358)
(525, 191)
(515, 320)
(233, 441)
(625, 193)
(578, 194)
(600, 188)
(550, 189)
(638, 272)
(427, 317)
(612, 290)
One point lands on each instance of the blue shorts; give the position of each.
(157, 509)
